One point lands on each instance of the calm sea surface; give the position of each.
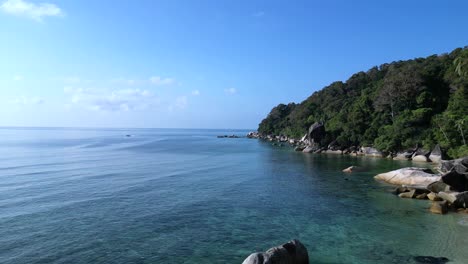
(185, 196)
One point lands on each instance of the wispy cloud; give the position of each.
(180, 103)
(153, 80)
(31, 10)
(25, 100)
(127, 81)
(258, 14)
(230, 90)
(111, 100)
(195, 93)
(160, 81)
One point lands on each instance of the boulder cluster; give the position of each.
(448, 190)
(311, 143)
(292, 252)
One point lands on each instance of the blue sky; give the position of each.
(199, 64)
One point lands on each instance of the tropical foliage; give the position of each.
(395, 106)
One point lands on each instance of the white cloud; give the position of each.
(17, 78)
(30, 10)
(195, 93)
(154, 80)
(159, 81)
(180, 103)
(111, 100)
(258, 14)
(126, 81)
(230, 90)
(24, 100)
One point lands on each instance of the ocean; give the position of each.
(186, 196)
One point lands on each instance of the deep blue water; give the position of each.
(185, 196)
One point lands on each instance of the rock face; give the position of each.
(404, 156)
(299, 148)
(329, 151)
(450, 197)
(421, 196)
(458, 181)
(436, 154)
(372, 152)
(461, 200)
(293, 252)
(316, 132)
(308, 149)
(438, 186)
(460, 165)
(408, 176)
(420, 158)
(434, 197)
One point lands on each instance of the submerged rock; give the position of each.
(409, 194)
(439, 208)
(431, 260)
(409, 176)
(350, 169)
(293, 252)
(400, 189)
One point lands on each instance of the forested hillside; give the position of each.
(392, 107)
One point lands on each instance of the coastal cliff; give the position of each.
(394, 107)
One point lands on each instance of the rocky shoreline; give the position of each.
(447, 190)
(447, 187)
(309, 144)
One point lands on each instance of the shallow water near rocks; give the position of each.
(185, 196)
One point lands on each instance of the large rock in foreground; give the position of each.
(409, 176)
(293, 252)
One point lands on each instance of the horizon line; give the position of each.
(120, 128)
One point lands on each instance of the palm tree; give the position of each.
(461, 64)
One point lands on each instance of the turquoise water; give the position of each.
(185, 196)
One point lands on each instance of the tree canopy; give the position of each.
(393, 107)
